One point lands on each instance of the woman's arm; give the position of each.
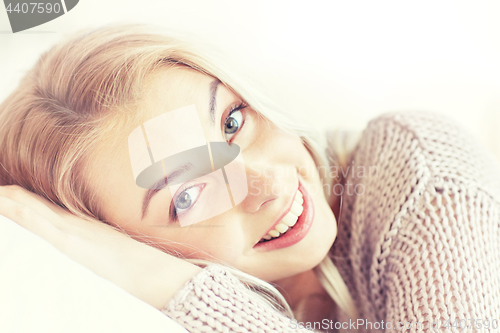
(423, 234)
(216, 301)
(201, 300)
(443, 269)
(139, 269)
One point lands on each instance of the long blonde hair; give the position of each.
(84, 88)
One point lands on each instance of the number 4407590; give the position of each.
(35, 8)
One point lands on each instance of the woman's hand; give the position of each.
(141, 270)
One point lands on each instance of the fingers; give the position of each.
(29, 219)
(30, 204)
(30, 199)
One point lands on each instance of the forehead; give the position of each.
(171, 88)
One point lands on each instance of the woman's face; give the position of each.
(279, 171)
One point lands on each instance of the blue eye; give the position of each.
(233, 124)
(186, 199)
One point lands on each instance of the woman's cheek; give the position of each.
(227, 245)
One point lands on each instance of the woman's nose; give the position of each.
(263, 186)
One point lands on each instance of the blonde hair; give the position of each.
(86, 87)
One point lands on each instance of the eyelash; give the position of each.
(238, 107)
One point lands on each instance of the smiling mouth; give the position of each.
(288, 221)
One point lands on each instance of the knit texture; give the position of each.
(418, 239)
(216, 301)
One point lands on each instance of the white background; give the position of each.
(339, 62)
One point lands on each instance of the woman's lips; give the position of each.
(297, 232)
(283, 214)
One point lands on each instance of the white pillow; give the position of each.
(43, 290)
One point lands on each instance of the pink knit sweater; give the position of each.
(418, 241)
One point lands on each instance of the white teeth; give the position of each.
(281, 228)
(273, 233)
(289, 220)
(299, 198)
(296, 208)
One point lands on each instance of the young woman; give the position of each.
(409, 219)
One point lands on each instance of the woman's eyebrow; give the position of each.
(148, 196)
(213, 93)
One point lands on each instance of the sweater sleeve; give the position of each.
(216, 301)
(419, 242)
(442, 262)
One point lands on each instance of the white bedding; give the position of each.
(42, 290)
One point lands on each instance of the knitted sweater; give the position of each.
(418, 240)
